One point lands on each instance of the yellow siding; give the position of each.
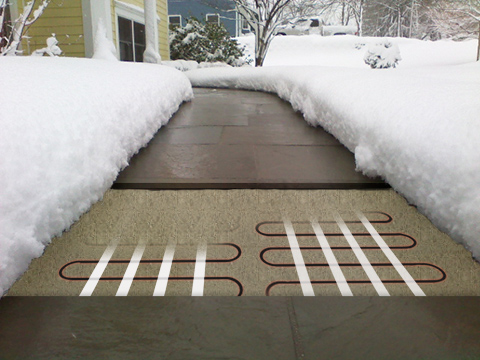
(64, 18)
(162, 12)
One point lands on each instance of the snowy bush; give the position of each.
(204, 43)
(52, 48)
(382, 55)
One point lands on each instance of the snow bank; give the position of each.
(417, 128)
(187, 65)
(349, 50)
(68, 126)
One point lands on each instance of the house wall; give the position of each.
(64, 18)
(199, 9)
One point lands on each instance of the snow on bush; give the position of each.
(52, 48)
(382, 55)
(68, 126)
(420, 133)
(203, 43)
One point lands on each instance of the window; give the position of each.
(315, 23)
(131, 35)
(245, 25)
(213, 19)
(175, 20)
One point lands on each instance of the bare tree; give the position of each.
(332, 11)
(457, 19)
(263, 16)
(400, 18)
(303, 8)
(20, 25)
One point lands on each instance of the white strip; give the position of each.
(298, 258)
(99, 269)
(131, 271)
(332, 261)
(372, 275)
(164, 273)
(199, 276)
(417, 291)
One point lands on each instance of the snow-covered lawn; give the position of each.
(348, 51)
(417, 126)
(68, 126)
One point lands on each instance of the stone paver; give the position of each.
(231, 139)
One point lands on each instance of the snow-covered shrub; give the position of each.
(382, 55)
(52, 48)
(203, 43)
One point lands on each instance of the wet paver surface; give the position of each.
(227, 139)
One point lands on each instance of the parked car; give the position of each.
(313, 25)
(300, 27)
(339, 30)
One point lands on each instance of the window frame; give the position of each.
(132, 13)
(132, 31)
(212, 14)
(179, 17)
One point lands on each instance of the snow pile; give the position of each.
(182, 65)
(68, 127)
(417, 128)
(206, 64)
(103, 47)
(187, 65)
(382, 55)
(349, 50)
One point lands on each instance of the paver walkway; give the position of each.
(228, 139)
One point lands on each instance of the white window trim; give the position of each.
(134, 13)
(180, 16)
(216, 14)
(130, 12)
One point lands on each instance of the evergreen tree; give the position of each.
(203, 42)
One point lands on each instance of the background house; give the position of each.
(75, 21)
(218, 11)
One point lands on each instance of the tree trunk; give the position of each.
(410, 28)
(478, 49)
(260, 53)
(399, 22)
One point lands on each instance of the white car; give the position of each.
(300, 27)
(339, 30)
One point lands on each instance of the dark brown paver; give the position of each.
(229, 139)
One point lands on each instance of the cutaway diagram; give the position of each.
(252, 243)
